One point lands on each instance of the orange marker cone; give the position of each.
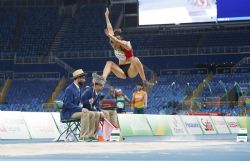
(99, 134)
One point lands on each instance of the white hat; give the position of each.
(78, 73)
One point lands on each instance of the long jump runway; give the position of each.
(136, 149)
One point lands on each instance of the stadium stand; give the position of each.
(39, 30)
(8, 18)
(84, 34)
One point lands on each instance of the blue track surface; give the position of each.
(230, 151)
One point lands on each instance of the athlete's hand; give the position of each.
(107, 12)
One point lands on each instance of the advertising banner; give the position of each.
(244, 122)
(40, 124)
(206, 124)
(176, 125)
(191, 124)
(220, 124)
(159, 125)
(134, 125)
(232, 124)
(12, 125)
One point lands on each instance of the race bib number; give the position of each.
(120, 105)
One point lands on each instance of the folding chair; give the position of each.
(72, 125)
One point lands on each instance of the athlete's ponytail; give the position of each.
(117, 33)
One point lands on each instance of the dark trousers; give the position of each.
(138, 110)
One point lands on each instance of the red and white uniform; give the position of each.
(123, 54)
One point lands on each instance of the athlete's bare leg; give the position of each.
(112, 67)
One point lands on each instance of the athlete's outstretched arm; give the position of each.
(125, 44)
(109, 26)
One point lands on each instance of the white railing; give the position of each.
(85, 54)
(6, 74)
(140, 53)
(7, 56)
(159, 52)
(219, 70)
(33, 60)
(184, 71)
(194, 51)
(233, 70)
(36, 75)
(29, 75)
